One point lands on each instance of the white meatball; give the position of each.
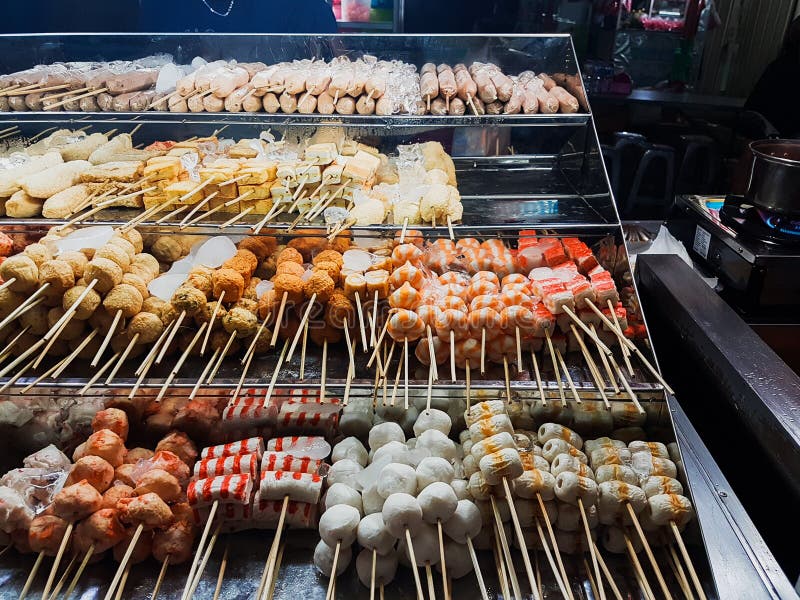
(616, 473)
(324, 555)
(613, 496)
(385, 568)
(478, 488)
(373, 535)
(565, 462)
(550, 431)
(339, 524)
(647, 465)
(402, 512)
(344, 471)
(470, 465)
(656, 449)
(339, 493)
(371, 500)
(533, 482)
(590, 446)
(396, 478)
(350, 448)
(355, 422)
(425, 544)
(492, 444)
(504, 464)
(457, 558)
(461, 488)
(433, 468)
(393, 450)
(613, 540)
(382, 434)
(658, 484)
(465, 523)
(432, 419)
(670, 507)
(490, 426)
(438, 502)
(554, 447)
(570, 487)
(438, 444)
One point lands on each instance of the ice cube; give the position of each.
(357, 260)
(168, 78)
(90, 237)
(215, 251)
(263, 287)
(164, 286)
(307, 275)
(183, 265)
(335, 215)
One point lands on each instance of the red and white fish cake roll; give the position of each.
(308, 420)
(300, 515)
(244, 464)
(300, 487)
(322, 408)
(253, 445)
(252, 415)
(283, 461)
(227, 489)
(308, 396)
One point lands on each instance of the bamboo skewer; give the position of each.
(122, 358)
(648, 551)
(607, 367)
(640, 576)
(560, 576)
(595, 372)
(161, 574)
(538, 376)
(221, 576)
(607, 573)
(477, 568)
(589, 541)
(63, 579)
(568, 377)
(79, 572)
(107, 340)
(200, 379)
(556, 370)
(526, 559)
(211, 323)
(689, 564)
(199, 574)
(99, 374)
(500, 532)
(124, 562)
(554, 543)
(174, 372)
(57, 561)
(31, 576)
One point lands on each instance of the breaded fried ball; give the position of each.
(290, 268)
(229, 281)
(241, 266)
(319, 285)
(219, 339)
(292, 285)
(9, 301)
(256, 246)
(240, 320)
(124, 298)
(262, 345)
(22, 268)
(120, 242)
(38, 253)
(339, 308)
(204, 314)
(247, 257)
(167, 313)
(115, 253)
(89, 350)
(87, 306)
(250, 291)
(188, 299)
(307, 246)
(341, 243)
(95, 470)
(35, 320)
(166, 249)
(289, 254)
(153, 304)
(328, 267)
(138, 283)
(147, 261)
(269, 303)
(105, 271)
(121, 341)
(58, 274)
(202, 282)
(77, 260)
(248, 304)
(101, 320)
(329, 256)
(72, 330)
(135, 238)
(147, 325)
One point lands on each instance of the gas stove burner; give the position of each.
(754, 223)
(780, 223)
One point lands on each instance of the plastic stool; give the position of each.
(658, 159)
(622, 160)
(699, 166)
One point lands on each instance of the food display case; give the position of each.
(526, 183)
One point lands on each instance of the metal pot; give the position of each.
(775, 176)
